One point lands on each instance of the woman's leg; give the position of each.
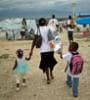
(48, 76)
(24, 79)
(70, 36)
(51, 73)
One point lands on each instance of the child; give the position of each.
(72, 76)
(20, 68)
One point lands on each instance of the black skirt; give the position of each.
(47, 61)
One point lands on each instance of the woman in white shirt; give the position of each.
(48, 61)
(53, 24)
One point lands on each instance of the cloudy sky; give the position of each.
(38, 8)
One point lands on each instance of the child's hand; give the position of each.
(15, 65)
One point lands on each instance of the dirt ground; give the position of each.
(37, 89)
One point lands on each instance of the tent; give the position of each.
(83, 21)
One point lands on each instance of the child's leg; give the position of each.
(24, 79)
(69, 80)
(51, 73)
(17, 82)
(75, 84)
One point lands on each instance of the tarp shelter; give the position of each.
(83, 21)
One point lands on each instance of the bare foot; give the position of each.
(48, 81)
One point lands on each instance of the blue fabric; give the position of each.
(83, 21)
(69, 81)
(22, 68)
(75, 84)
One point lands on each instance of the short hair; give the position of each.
(70, 17)
(73, 46)
(53, 16)
(42, 22)
(19, 53)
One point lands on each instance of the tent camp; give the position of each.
(83, 21)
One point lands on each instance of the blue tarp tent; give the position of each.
(83, 21)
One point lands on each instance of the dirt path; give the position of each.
(37, 89)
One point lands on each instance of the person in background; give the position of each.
(56, 43)
(7, 36)
(24, 29)
(85, 31)
(70, 28)
(24, 24)
(53, 24)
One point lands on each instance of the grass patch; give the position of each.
(4, 56)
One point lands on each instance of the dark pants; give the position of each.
(69, 81)
(70, 35)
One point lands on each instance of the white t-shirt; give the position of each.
(45, 47)
(52, 24)
(67, 57)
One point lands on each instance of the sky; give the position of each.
(39, 8)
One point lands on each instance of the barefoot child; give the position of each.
(20, 68)
(74, 67)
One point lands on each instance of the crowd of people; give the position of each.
(50, 40)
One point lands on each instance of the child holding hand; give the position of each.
(21, 68)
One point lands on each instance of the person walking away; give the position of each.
(74, 67)
(21, 68)
(48, 61)
(70, 29)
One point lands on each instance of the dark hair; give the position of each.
(42, 22)
(84, 25)
(53, 16)
(19, 53)
(70, 17)
(73, 46)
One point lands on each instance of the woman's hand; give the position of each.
(28, 58)
(30, 54)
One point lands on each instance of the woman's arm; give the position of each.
(32, 47)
